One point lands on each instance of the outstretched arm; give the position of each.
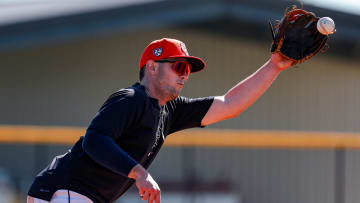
(246, 92)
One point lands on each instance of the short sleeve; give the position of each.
(187, 112)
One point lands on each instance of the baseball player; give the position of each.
(129, 129)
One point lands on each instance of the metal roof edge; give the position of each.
(155, 14)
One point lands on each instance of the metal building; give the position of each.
(60, 60)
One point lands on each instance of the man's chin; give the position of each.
(175, 95)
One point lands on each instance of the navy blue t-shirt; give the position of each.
(129, 128)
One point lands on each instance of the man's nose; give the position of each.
(184, 77)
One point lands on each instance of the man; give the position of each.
(129, 129)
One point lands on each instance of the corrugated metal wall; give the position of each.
(65, 84)
(259, 175)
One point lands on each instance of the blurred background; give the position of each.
(60, 60)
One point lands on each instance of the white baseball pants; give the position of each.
(62, 196)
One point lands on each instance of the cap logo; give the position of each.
(157, 51)
(183, 48)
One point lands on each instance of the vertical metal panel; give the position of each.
(352, 177)
(339, 175)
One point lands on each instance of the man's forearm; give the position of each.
(107, 153)
(246, 92)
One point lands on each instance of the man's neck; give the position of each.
(151, 92)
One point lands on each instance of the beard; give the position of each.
(172, 93)
(167, 92)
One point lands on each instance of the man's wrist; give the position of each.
(280, 63)
(275, 65)
(137, 171)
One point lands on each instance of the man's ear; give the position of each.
(151, 66)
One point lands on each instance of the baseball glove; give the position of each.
(296, 37)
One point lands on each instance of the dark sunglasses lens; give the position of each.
(182, 68)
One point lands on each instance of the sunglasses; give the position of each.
(180, 67)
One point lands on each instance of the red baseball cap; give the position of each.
(166, 48)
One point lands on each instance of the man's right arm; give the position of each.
(99, 143)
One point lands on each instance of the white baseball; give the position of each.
(326, 26)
